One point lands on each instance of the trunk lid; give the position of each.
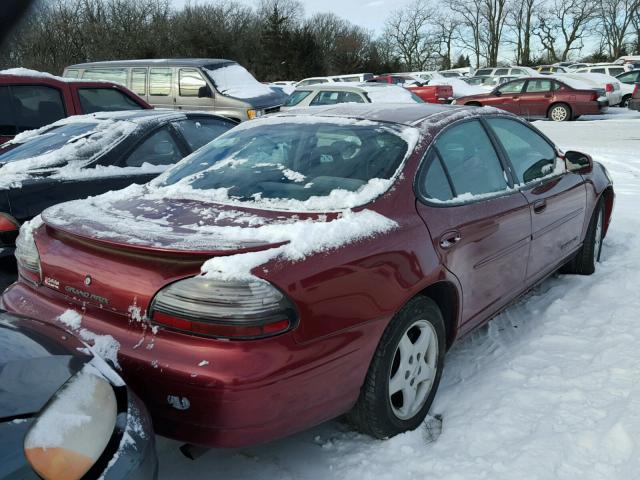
(117, 255)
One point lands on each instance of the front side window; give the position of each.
(72, 74)
(139, 81)
(115, 75)
(512, 87)
(160, 81)
(598, 70)
(158, 149)
(517, 71)
(36, 106)
(529, 153)
(292, 160)
(470, 161)
(200, 131)
(537, 86)
(105, 100)
(502, 71)
(296, 97)
(484, 71)
(190, 82)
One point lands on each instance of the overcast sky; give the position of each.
(369, 14)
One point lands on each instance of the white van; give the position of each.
(220, 86)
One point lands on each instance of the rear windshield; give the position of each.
(280, 158)
(46, 142)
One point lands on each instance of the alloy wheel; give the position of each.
(413, 369)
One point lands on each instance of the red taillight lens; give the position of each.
(635, 91)
(594, 96)
(609, 87)
(238, 332)
(8, 223)
(238, 309)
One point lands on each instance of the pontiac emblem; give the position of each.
(87, 280)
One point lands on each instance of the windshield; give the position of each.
(282, 158)
(48, 141)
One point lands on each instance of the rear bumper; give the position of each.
(224, 393)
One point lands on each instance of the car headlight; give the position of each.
(73, 429)
(26, 251)
(254, 113)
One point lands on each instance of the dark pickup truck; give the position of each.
(31, 100)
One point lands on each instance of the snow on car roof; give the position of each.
(26, 72)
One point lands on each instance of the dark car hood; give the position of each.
(270, 100)
(170, 225)
(36, 359)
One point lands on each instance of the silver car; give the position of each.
(221, 86)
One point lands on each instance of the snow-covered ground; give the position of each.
(550, 389)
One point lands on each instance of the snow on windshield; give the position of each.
(235, 81)
(303, 164)
(69, 145)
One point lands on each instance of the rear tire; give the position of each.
(625, 101)
(404, 373)
(560, 112)
(584, 263)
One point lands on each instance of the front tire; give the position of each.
(584, 263)
(404, 374)
(559, 113)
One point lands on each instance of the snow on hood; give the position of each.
(460, 87)
(235, 81)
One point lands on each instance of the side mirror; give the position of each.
(497, 93)
(205, 92)
(578, 162)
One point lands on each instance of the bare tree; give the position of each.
(472, 25)
(616, 18)
(521, 20)
(409, 31)
(570, 22)
(446, 26)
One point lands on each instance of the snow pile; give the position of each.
(235, 81)
(303, 238)
(549, 389)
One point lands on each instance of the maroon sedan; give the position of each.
(536, 97)
(314, 263)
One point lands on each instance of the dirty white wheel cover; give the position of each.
(558, 114)
(416, 371)
(597, 243)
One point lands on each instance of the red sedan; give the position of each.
(536, 97)
(314, 263)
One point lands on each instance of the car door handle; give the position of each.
(539, 206)
(449, 239)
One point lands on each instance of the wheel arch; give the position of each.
(607, 196)
(445, 294)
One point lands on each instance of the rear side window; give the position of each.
(512, 87)
(484, 71)
(160, 81)
(105, 100)
(535, 86)
(36, 106)
(629, 77)
(200, 131)
(139, 81)
(502, 71)
(517, 71)
(529, 153)
(296, 97)
(158, 149)
(435, 184)
(115, 75)
(7, 122)
(598, 70)
(613, 71)
(469, 161)
(189, 82)
(71, 74)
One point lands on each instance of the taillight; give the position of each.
(232, 309)
(594, 96)
(609, 87)
(635, 91)
(26, 251)
(8, 223)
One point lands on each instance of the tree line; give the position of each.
(275, 40)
